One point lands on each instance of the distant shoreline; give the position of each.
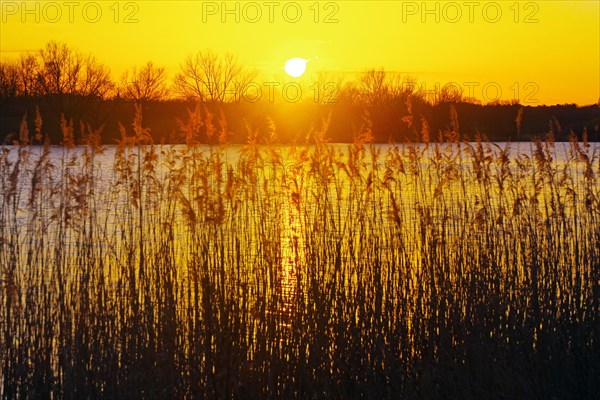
(389, 122)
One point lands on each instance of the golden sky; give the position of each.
(539, 52)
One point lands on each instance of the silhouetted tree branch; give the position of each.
(9, 80)
(207, 76)
(65, 71)
(145, 84)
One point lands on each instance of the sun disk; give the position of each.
(295, 67)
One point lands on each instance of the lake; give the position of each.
(299, 271)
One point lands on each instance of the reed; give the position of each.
(448, 269)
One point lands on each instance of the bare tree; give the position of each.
(9, 80)
(28, 71)
(72, 85)
(326, 87)
(94, 80)
(400, 87)
(377, 86)
(450, 93)
(145, 84)
(207, 76)
(65, 71)
(373, 86)
(18, 78)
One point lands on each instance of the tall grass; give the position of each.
(449, 269)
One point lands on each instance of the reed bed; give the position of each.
(418, 271)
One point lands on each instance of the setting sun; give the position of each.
(299, 199)
(295, 67)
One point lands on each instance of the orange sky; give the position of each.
(539, 52)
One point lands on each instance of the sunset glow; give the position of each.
(536, 52)
(299, 199)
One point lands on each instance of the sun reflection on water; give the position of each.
(291, 256)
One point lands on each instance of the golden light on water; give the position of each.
(292, 253)
(336, 264)
(315, 269)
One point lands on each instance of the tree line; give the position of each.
(206, 76)
(63, 82)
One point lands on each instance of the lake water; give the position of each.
(272, 196)
(266, 266)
